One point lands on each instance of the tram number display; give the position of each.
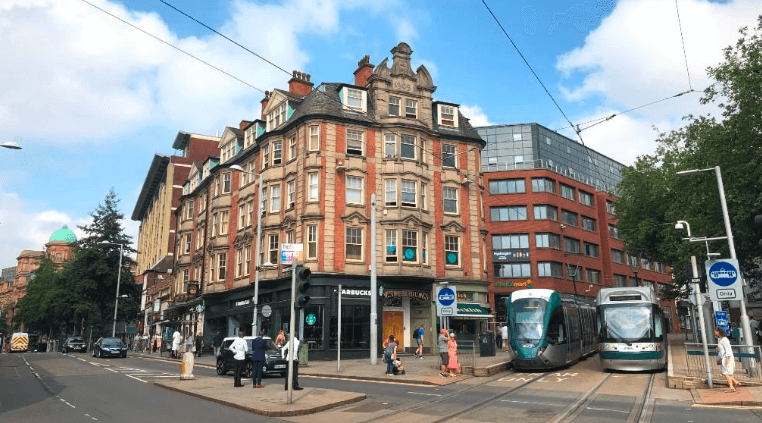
(625, 298)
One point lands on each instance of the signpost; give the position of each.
(447, 301)
(267, 311)
(723, 280)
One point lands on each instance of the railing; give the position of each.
(467, 354)
(747, 361)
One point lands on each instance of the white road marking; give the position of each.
(534, 403)
(91, 417)
(608, 409)
(112, 370)
(366, 381)
(424, 393)
(136, 378)
(67, 403)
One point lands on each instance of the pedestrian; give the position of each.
(238, 347)
(387, 341)
(177, 340)
(199, 344)
(725, 359)
(498, 337)
(754, 324)
(216, 343)
(419, 338)
(504, 335)
(295, 358)
(452, 356)
(443, 355)
(390, 355)
(280, 340)
(259, 346)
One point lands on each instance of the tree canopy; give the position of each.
(653, 197)
(85, 288)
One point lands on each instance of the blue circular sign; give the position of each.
(723, 273)
(310, 319)
(446, 296)
(452, 258)
(409, 254)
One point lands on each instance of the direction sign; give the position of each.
(724, 279)
(267, 311)
(447, 300)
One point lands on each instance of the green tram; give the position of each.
(549, 329)
(631, 329)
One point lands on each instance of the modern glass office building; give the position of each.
(532, 146)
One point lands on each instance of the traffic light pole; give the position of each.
(292, 322)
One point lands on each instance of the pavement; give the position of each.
(271, 400)
(749, 394)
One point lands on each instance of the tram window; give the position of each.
(555, 333)
(657, 327)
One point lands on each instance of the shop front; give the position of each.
(473, 312)
(405, 306)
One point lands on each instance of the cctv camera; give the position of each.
(679, 226)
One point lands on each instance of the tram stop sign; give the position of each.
(447, 301)
(724, 280)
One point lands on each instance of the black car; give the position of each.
(274, 364)
(109, 347)
(74, 343)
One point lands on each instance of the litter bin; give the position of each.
(487, 344)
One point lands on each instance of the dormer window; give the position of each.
(228, 151)
(448, 115)
(411, 109)
(352, 98)
(277, 116)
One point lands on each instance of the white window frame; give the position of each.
(265, 156)
(353, 237)
(356, 96)
(277, 152)
(411, 105)
(354, 184)
(424, 206)
(405, 186)
(394, 102)
(448, 197)
(409, 240)
(248, 260)
(275, 194)
(273, 248)
(224, 222)
(238, 262)
(292, 148)
(187, 243)
(227, 182)
(448, 115)
(390, 146)
(452, 154)
(314, 138)
(221, 266)
(291, 191)
(390, 192)
(249, 212)
(313, 185)
(448, 247)
(312, 235)
(356, 138)
(241, 216)
(415, 146)
(392, 249)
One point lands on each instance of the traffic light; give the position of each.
(302, 286)
(758, 222)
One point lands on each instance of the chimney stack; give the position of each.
(264, 104)
(363, 72)
(300, 83)
(244, 124)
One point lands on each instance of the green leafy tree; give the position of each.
(39, 308)
(653, 198)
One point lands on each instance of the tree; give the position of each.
(39, 308)
(653, 197)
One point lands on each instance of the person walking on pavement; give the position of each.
(452, 356)
(280, 340)
(199, 344)
(286, 354)
(442, 347)
(217, 343)
(504, 335)
(726, 359)
(259, 346)
(390, 354)
(177, 340)
(239, 348)
(498, 337)
(419, 337)
(754, 324)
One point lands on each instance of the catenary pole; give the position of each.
(118, 280)
(373, 285)
(256, 260)
(697, 293)
(291, 352)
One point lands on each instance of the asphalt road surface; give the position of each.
(53, 387)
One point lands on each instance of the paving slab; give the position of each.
(268, 401)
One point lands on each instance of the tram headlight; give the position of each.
(540, 351)
(611, 346)
(648, 346)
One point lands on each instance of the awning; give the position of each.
(474, 311)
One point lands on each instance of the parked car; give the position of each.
(109, 347)
(274, 364)
(74, 343)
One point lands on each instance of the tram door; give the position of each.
(572, 321)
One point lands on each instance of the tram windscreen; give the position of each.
(627, 323)
(528, 318)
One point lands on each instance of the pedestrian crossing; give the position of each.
(141, 375)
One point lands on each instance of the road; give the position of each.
(52, 387)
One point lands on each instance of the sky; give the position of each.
(91, 99)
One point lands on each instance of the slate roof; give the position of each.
(324, 100)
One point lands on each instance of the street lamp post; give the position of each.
(729, 233)
(256, 257)
(118, 281)
(12, 145)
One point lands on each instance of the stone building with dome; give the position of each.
(60, 249)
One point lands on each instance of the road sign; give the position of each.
(290, 252)
(724, 279)
(447, 300)
(721, 317)
(267, 311)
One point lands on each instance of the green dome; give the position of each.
(63, 234)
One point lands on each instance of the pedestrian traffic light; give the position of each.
(758, 222)
(302, 285)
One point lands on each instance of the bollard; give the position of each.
(186, 368)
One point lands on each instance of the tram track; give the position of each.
(639, 413)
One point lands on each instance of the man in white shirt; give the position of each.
(286, 354)
(177, 340)
(504, 335)
(239, 348)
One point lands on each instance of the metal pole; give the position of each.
(696, 293)
(748, 341)
(256, 260)
(373, 285)
(291, 352)
(118, 280)
(338, 346)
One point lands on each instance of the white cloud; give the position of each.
(405, 31)
(636, 57)
(476, 116)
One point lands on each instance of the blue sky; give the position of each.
(91, 100)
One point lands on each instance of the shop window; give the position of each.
(313, 333)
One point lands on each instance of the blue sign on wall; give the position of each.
(721, 318)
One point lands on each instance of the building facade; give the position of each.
(551, 219)
(321, 155)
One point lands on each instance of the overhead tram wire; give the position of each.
(432, 153)
(680, 25)
(174, 47)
